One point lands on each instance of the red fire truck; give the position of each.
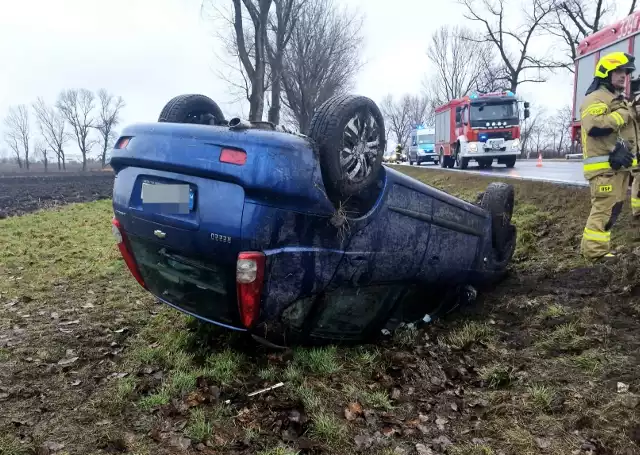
(480, 127)
(623, 36)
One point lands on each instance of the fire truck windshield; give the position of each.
(485, 111)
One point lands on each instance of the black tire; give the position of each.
(443, 160)
(332, 128)
(450, 162)
(464, 163)
(498, 200)
(197, 109)
(511, 162)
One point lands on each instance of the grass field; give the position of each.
(546, 363)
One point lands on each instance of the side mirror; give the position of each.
(526, 104)
(526, 112)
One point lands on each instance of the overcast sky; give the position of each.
(148, 51)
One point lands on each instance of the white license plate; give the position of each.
(162, 194)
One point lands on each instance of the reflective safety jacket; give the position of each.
(605, 117)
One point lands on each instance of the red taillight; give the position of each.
(249, 281)
(121, 239)
(233, 156)
(122, 142)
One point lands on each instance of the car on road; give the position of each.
(422, 148)
(293, 238)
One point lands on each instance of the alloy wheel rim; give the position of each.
(361, 141)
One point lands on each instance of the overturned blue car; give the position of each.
(295, 238)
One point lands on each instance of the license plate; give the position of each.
(496, 145)
(168, 198)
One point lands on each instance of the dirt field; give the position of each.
(20, 194)
(547, 363)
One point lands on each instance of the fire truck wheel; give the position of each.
(350, 135)
(463, 163)
(498, 200)
(197, 109)
(511, 162)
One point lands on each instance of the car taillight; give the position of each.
(121, 240)
(122, 142)
(249, 281)
(233, 156)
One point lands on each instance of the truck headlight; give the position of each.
(473, 147)
(516, 143)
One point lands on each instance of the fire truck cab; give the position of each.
(480, 127)
(623, 36)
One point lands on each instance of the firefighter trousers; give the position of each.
(635, 193)
(608, 192)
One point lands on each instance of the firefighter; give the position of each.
(608, 143)
(635, 172)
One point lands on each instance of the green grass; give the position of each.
(11, 446)
(498, 375)
(565, 337)
(223, 367)
(528, 218)
(281, 450)
(4, 355)
(470, 333)
(155, 400)
(470, 449)
(376, 399)
(552, 311)
(318, 361)
(328, 428)
(199, 428)
(542, 396)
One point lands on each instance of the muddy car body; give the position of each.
(274, 241)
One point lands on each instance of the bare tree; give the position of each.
(530, 128)
(560, 128)
(458, 62)
(287, 14)
(77, 107)
(404, 114)
(108, 119)
(505, 38)
(42, 151)
(321, 59)
(255, 68)
(53, 129)
(574, 20)
(18, 133)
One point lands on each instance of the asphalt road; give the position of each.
(561, 171)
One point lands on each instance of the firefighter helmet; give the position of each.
(615, 61)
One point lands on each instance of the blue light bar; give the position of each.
(473, 96)
(510, 93)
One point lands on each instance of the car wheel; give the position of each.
(498, 200)
(349, 131)
(511, 162)
(443, 162)
(198, 109)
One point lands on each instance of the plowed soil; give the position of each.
(23, 194)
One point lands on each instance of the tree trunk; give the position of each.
(104, 154)
(59, 163)
(84, 161)
(276, 90)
